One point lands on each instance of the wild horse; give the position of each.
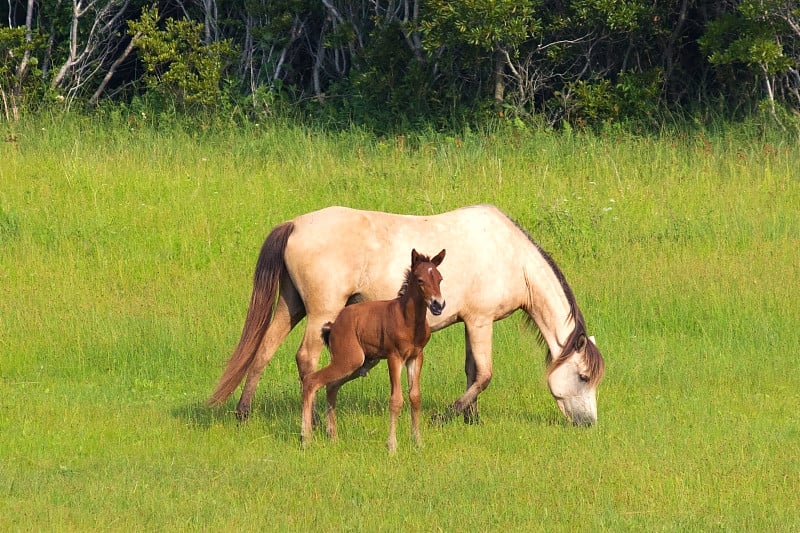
(319, 262)
(396, 330)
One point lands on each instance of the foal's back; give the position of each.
(372, 330)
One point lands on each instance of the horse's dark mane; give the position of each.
(594, 360)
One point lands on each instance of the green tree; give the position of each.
(20, 80)
(494, 29)
(179, 66)
(752, 42)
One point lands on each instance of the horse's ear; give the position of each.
(581, 343)
(414, 256)
(437, 260)
(591, 338)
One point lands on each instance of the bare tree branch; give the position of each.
(113, 69)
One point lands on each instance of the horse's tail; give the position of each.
(266, 279)
(326, 333)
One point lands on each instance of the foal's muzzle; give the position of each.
(436, 307)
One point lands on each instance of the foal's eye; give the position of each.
(584, 378)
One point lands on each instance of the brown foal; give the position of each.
(396, 330)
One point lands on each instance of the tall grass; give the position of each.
(126, 255)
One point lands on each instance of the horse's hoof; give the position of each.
(472, 420)
(441, 418)
(242, 415)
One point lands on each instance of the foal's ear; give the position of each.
(437, 260)
(414, 256)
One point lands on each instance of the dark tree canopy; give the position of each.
(393, 62)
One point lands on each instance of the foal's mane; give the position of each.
(407, 277)
(594, 359)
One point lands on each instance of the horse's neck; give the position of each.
(548, 304)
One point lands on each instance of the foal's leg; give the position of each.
(308, 353)
(339, 368)
(414, 369)
(310, 388)
(332, 390)
(395, 399)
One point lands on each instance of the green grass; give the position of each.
(126, 255)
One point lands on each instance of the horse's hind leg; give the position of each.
(288, 312)
(308, 353)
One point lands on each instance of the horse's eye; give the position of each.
(583, 377)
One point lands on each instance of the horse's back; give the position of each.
(337, 252)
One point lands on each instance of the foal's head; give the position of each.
(424, 273)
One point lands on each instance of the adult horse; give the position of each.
(319, 262)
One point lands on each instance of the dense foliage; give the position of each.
(387, 63)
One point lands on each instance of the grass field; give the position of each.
(126, 256)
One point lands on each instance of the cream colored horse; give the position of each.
(318, 262)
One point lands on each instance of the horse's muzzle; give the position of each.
(436, 307)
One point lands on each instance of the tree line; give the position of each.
(409, 62)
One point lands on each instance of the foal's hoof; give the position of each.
(440, 418)
(242, 415)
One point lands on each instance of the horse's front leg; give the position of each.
(477, 367)
(414, 369)
(395, 399)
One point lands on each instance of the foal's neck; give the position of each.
(412, 304)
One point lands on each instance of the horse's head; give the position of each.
(573, 379)
(428, 279)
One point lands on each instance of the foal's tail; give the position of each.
(266, 279)
(326, 333)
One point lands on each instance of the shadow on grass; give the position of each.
(278, 410)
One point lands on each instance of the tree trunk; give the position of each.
(499, 75)
(23, 66)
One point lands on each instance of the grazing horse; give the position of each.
(396, 330)
(315, 264)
